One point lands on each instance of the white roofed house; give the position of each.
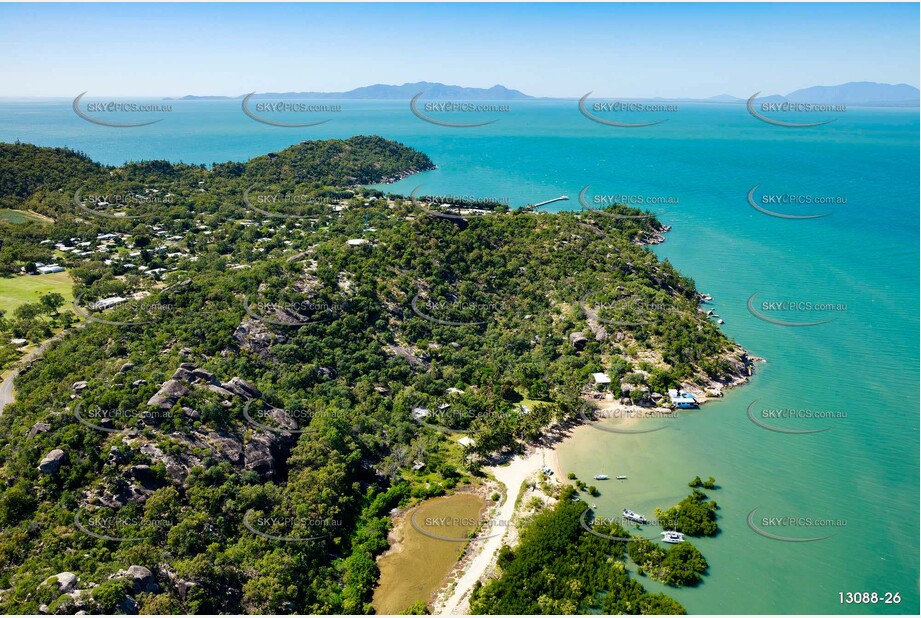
(602, 380)
(47, 269)
(105, 303)
(420, 413)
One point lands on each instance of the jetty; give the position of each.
(533, 207)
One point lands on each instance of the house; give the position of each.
(105, 303)
(682, 399)
(420, 413)
(467, 441)
(18, 342)
(602, 379)
(50, 268)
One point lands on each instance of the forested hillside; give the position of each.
(238, 427)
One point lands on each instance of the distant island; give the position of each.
(869, 94)
(407, 91)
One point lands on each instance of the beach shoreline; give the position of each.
(479, 563)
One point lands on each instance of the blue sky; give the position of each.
(625, 50)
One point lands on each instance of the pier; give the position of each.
(534, 207)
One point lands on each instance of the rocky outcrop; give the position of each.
(219, 390)
(183, 374)
(407, 353)
(51, 463)
(168, 395)
(187, 373)
(203, 374)
(241, 387)
(578, 340)
(38, 428)
(262, 453)
(140, 578)
(65, 582)
(128, 607)
(255, 336)
(259, 457)
(594, 323)
(136, 485)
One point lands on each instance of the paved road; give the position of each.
(7, 395)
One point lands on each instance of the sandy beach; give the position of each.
(512, 476)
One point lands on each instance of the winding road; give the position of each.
(7, 395)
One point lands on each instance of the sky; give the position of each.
(555, 50)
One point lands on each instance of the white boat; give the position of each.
(621, 478)
(672, 536)
(601, 477)
(628, 514)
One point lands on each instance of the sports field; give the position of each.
(15, 291)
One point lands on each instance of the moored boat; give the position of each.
(672, 536)
(630, 515)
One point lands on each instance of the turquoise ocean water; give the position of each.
(863, 473)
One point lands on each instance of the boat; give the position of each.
(672, 536)
(682, 399)
(628, 514)
(601, 477)
(621, 478)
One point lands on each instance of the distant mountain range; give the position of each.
(432, 90)
(851, 93)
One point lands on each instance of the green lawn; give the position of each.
(21, 216)
(15, 291)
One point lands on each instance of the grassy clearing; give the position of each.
(22, 216)
(15, 291)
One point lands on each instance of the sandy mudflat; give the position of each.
(512, 476)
